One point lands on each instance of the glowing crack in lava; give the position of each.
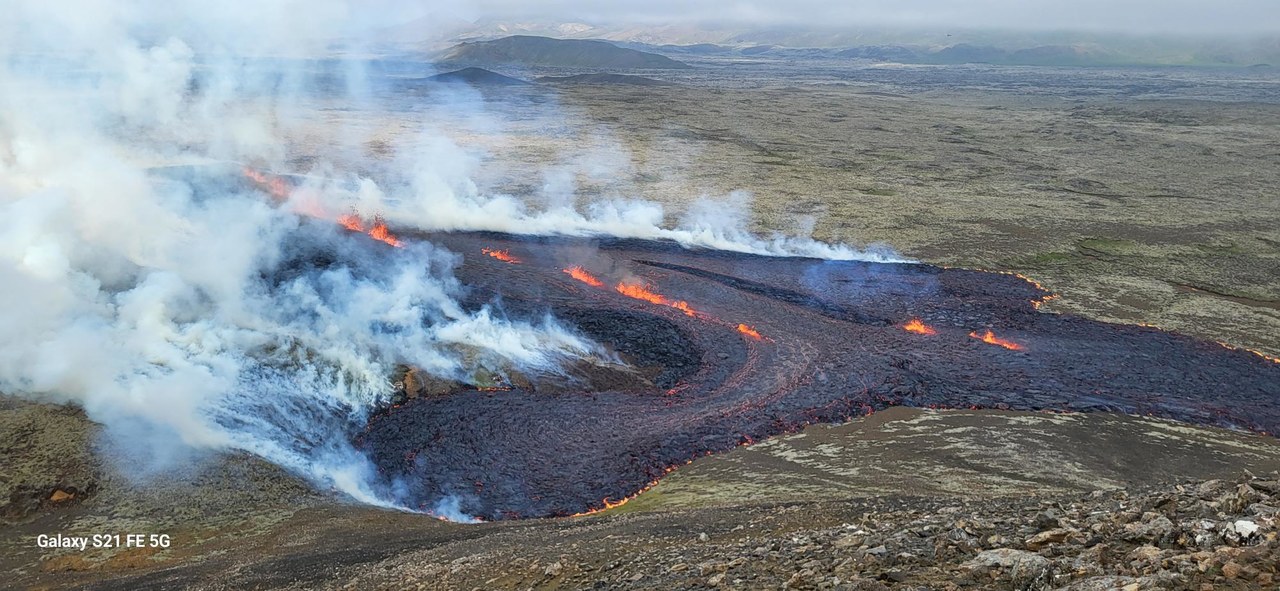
(351, 222)
(594, 434)
(273, 185)
(502, 255)
(605, 505)
(279, 189)
(747, 330)
(917, 326)
(990, 338)
(582, 275)
(641, 292)
(380, 232)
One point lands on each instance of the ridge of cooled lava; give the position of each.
(728, 348)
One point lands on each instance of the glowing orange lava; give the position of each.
(917, 326)
(276, 187)
(1044, 300)
(608, 504)
(582, 275)
(991, 338)
(640, 292)
(747, 330)
(379, 231)
(273, 185)
(351, 222)
(502, 255)
(1035, 303)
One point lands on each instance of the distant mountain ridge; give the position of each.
(602, 79)
(1079, 54)
(528, 50)
(885, 44)
(476, 76)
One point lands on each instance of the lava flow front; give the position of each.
(640, 292)
(844, 339)
(919, 327)
(582, 275)
(283, 192)
(502, 255)
(990, 338)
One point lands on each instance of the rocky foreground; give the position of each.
(903, 499)
(1217, 534)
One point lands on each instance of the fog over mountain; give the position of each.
(1138, 16)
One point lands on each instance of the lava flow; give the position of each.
(379, 231)
(747, 330)
(502, 255)
(278, 188)
(991, 338)
(684, 385)
(640, 292)
(272, 184)
(351, 222)
(919, 327)
(582, 275)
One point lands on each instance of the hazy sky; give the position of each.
(1183, 16)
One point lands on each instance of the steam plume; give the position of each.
(184, 307)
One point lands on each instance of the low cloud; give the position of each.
(1138, 16)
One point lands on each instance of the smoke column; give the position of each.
(187, 312)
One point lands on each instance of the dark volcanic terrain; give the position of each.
(525, 50)
(831, 345)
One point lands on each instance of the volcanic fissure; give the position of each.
(722, 349)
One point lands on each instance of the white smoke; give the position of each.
(187, 309)
(449, 508)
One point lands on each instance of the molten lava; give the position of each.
(502, 255)
(747, 330)
(273, 185)
(276, 187)
(640, 292)
(828, 355)
(582, 275)
(683, 307)
(351, 222)
(991, 338)
(379, 231)
(917, 326)
(1044, 300)
(607, 504)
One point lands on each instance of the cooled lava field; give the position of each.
(720, 349)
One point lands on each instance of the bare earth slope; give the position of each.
(921, 496)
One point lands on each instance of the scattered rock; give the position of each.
(60, 495)
(554, 569)
(1045, 538)
(1244, 528)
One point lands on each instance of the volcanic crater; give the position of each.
(722, 349)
